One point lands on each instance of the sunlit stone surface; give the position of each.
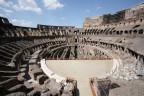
(81, 70)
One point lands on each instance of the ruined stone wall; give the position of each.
(136, 11)
(47, 27)
(3, 21)
(93, 21)
(131, 14)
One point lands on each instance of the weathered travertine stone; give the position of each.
(54, 87)
(41, 79)
(34, 93)
(18, 88)
(17, 94)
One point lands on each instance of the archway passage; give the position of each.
(81, 70)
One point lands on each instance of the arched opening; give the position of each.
(25, 33)
(114, 32)
(126, 32)
(140, 31)
(117, 32)
(135, 31)
(141, 20)
(101, 31)
(96, 30)
(121, 32)
(130, 31)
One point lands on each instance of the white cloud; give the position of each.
(5, 3)
(2, 15)
(29, 5)
(21, 22)
(52, 4)
(7, 12)
(98, 8)
(87, 10)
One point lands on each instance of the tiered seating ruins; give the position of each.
(24, 50)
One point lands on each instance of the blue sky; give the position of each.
(59, 12)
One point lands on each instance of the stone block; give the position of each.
(18, 88)
(41, 79)
(34, 93)
(17, 94)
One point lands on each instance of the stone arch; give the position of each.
(101, 31)
(130, 32)
(117, 32)
(96, 30)
(126, 32)
(135, 31)
(140, 31)
(25, 32)
(121, 32)
(141, 20)
(114, 32)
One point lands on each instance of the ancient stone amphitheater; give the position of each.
(104, 58)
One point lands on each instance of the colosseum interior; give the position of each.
(104, 58)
